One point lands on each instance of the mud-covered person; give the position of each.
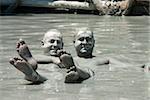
(52, 44)
(52, 41)
(84, 43)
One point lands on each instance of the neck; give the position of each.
(48, 54)
(85, 55)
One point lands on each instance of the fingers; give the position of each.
(61, 52)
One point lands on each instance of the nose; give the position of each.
(84, 41)
(55, 43)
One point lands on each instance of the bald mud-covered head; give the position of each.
(84, 43)
(52, 41)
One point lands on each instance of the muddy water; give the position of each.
(121, 39)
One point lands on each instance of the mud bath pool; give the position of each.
(123, 38)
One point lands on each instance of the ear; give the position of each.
(42, 43)
(62, 44)
(94, 42)
(73, 41)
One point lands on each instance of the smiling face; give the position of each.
(84, 43)
(52, 42)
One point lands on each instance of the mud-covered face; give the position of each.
(84, 44)
(52, 42)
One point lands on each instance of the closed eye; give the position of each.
(88, 39)
(81, 39)
(52, 41)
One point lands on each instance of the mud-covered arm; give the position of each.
(49, 59)
(43, 59)
(102, 61)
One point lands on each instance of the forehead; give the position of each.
(84, 34)
(52, 35)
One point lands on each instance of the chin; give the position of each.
(53, 53)
(83, 51)
(85, 54)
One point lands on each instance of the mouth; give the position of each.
(83, 50)
(53, 52)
